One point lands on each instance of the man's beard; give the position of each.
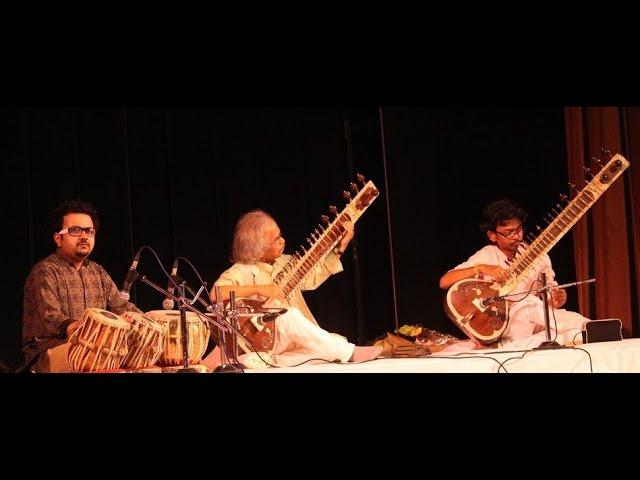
(81, 252)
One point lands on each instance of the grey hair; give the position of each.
(249, 242)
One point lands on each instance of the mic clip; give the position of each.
(488, 301)
(272, 315)
(132, 276)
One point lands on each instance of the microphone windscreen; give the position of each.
(167, 304)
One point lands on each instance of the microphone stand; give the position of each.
(184, 331)
(183, 306)
(189, 307)
(230, 316)
(221, 321)
(196, 296)
(548, 343)
(551, 344)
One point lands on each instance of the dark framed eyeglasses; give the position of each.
(511, 233)
(77, 231)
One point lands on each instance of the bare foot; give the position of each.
(363, 354)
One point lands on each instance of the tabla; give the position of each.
(145, 341)
(197, 331)
(99, 343)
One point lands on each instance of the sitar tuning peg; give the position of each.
(607, 152)
(361, 179)
(346, 195)
(333, 210)
(587, 172)
(564, 198)
(572, 187)
(326, 220)
(597, 161)
(353, 187)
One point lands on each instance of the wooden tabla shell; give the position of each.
(100, 343)
(198, 337)
(145, 341)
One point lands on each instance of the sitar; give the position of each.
(471, 303)
(260, 334)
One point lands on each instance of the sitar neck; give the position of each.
(562, 223)
(323, 240)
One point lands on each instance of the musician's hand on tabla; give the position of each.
(72, 327)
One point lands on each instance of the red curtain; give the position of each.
(605, 240)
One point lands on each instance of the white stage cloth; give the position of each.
(606, 357)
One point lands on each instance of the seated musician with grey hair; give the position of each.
(259, 264)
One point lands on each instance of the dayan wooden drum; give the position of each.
(172, 352)
(145, 341)
(100, 343)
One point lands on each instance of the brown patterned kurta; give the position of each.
(56, 294)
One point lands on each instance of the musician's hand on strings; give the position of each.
(499, 274)
(348, 235)
(272, 291)
(558, 297)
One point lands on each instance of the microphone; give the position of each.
(168, 302)
(132, 274)
(272, 315)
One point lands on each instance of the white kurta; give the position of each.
(298, 341)
(527, 315)
(240, 274)
(298, 336)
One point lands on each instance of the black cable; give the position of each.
(192, 267)
(588, 356)
(573, 340)
(565, 348)
(159, 263)
(470, 355)
(502, 364)
(525, 295)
